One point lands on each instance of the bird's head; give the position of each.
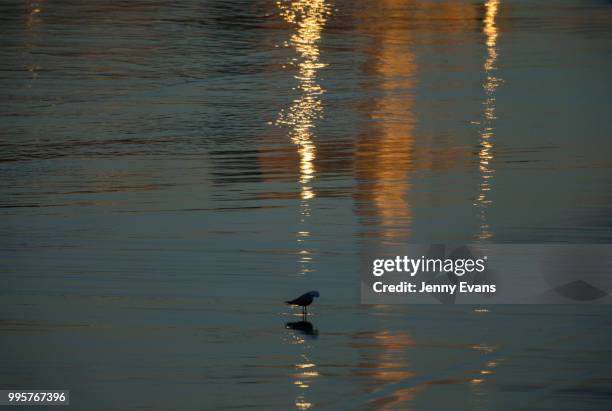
(314, 294)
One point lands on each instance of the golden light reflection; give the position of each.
(484, 348)
(307, 374)
(481, 310)
(33, 24)
(302, 404)
(34, 10)
(386, 362)
(309, 18)
(478, 383)
(303, 379)
(490, 85)
(384, 156)
(487, 371)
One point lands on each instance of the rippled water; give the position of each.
(170, 172)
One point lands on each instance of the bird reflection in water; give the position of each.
(309, 18)
(305, 368)
(304, 327)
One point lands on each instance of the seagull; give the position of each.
(304, 300)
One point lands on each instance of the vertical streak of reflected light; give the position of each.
(305, 373)
(385, 362)
(33, 23)
(485, 154)
(478, 384)
(384, 157)
(309, 18)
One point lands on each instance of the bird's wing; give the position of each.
(301, 300)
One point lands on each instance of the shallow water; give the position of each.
(170, 172)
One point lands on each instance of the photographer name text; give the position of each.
(438, 268)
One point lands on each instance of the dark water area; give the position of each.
(171, 172)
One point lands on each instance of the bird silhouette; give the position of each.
(304, 300)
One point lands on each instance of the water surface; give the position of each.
(170, 172)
